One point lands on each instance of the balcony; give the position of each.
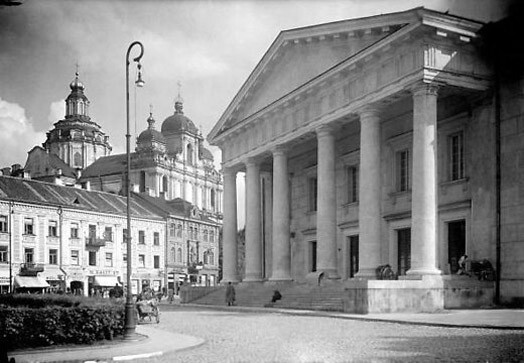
(95, 242)
(31, 269)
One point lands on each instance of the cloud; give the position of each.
(18, 135)
(56, 112)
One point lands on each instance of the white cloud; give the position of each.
(18, 135)
(56, 112)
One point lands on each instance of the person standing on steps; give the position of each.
(230, 294)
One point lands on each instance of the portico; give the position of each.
(351, 147)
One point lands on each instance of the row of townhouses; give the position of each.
(56, 237)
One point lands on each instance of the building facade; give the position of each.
(55, 237)
(373, 141)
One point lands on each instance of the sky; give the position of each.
(209, 47)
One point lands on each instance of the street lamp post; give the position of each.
(130, 323)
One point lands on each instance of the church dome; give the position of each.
(76, 84)
(178, 122)
(151, 134)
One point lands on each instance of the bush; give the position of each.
(43, 320)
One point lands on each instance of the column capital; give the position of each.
(229, 171)
(369, 111)
(249, 162)
(279, 150)
(424, 89)
(324, 130)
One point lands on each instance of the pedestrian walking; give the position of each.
(230, 294)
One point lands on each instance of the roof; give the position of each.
(38, 192)
(106, 165)
(176, 207)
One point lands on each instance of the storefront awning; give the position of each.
(30, 282)
(52, 273)
(105, 281)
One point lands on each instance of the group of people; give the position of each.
(231, 295)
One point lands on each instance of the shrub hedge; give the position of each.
(44, 320)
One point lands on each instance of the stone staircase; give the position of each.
(294, 296)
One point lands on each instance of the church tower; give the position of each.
(76, 139)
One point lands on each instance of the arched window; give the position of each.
(211, 258)
(164, 184)
(189, 154)
(172, 254)
(205, 235)
(142, 182)
(179, 254)
(77, 159)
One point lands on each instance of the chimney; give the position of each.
(6, 171)
(15, 167)
(26, 175)
(87, 185)
(58, 181)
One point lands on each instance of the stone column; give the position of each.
(369, 218)
(424, 186)
(326, 213)
(281, 264)
(253, 242)
(230, 227)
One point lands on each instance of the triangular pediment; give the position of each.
(299, 55)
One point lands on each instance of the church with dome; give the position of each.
(170, 163)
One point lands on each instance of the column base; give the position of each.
(280, 279)
(423, 271)
(366, 274)
(253, 279)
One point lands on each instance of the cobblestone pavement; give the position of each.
(269, 337)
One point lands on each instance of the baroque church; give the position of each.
(171, 163)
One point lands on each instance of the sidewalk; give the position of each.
(471, 318)
(153, 341)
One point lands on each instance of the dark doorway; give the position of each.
(404, 250)
(313, 256)
(352, 256)
(456, 243)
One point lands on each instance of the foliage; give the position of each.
(43, 320)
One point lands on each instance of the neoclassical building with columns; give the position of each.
(373, 141)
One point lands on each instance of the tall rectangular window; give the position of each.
(124, 235)
(3, 224)
(403, 171)
(124, 257)
(211, 236)
(52, 228)
(312, 194)
(179, 231)
(108, 234)
(172, 230)
(141, 237)
(313, 256)
(28, 226)
(53, 256)
(92, 258)
(352, 184)
(156, 238)
(456, 156)
(141, 260)
(75, 260)
(28, 255)
(156, 261)
(74, 230)
(109, 259)
(3, 254)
